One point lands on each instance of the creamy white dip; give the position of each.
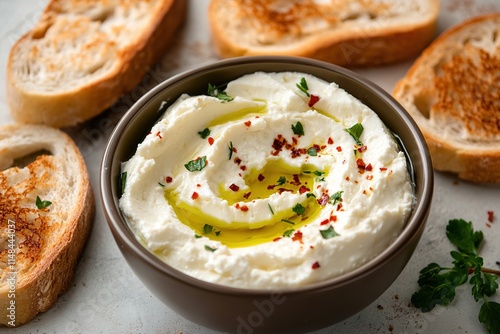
(276, 193)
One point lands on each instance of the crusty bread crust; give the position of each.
(371, 36)
(48, 241)
(453, 93)
(89, 78)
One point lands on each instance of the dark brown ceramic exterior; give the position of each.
(254, 311)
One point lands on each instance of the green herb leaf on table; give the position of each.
(438, 284)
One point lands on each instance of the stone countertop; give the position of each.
(106, 297)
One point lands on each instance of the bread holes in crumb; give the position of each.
(25, 160)
(423, 102)
(100, 14)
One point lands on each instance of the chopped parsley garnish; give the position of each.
(299, 209)
(161, 184)
(298, 129)
(270, 208)
(219, 93)
(438, 284)
(217, 233)
(207, 229)
(302, 85)
(310, 195)
(210, 249)
(288, 233)
(356, 131)
(42, 204)
(328, 233)
(204, 133)
(196, 164)
(281, 180)
(288, 221)
(337, 197)
(312, 152)
(230, 150)
(197, 236)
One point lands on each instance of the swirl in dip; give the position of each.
(292, 181)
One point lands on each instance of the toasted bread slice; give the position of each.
(84, 54)
(348, 33)
(453, 93)
(40, 242)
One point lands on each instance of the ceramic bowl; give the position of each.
(240, 310)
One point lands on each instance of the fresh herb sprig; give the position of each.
(218, 92)
(438, 284)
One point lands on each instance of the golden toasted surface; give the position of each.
(468, 91)
(33, 226)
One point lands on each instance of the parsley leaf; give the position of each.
(197, 164)
(270, 208)
(42, 204)
(298, 129)
(356, 131)
(462, 235)
(328, 233)
(210, 249)
(312, 152)
(288, 221)
(299, 209)
(207, 229)
(204, 133)
(281, 180)
(288, 233)
(489, 315)
(337, 197)
(231, 149)
(217, 92)
(302, 85)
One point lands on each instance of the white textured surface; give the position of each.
(106, 297)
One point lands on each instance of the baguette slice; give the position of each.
(453, 93)
(84, 54)
(47, 241)
(348, 33)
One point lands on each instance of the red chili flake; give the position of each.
(369, 177)
(247, 195)
(323, 200)
(276, 239)
(237, 160)
(248, 123)
(490, 216)
(347, 178)
(296, 180)
(362, 149)
(360, 163)
(168, 179)
(198, 185)
(234, 187)
(312, 247)
(234, 150)
(364, 192)
(282, 190)
(303, 189)
(312, 100)
(237, 205)
(333, 218)
(324, 222)
(210, 141)
(471, 270)
(261, 177)
(369, 167)
(383, 169)
(339, 207)
(243, 168)
(322, 147)
(339, 149)
(271, 187)
(297, 236)
(315, 265)
(488, 225)
(244, 208)
(330, 141)
(158, 134)
(195, 195)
